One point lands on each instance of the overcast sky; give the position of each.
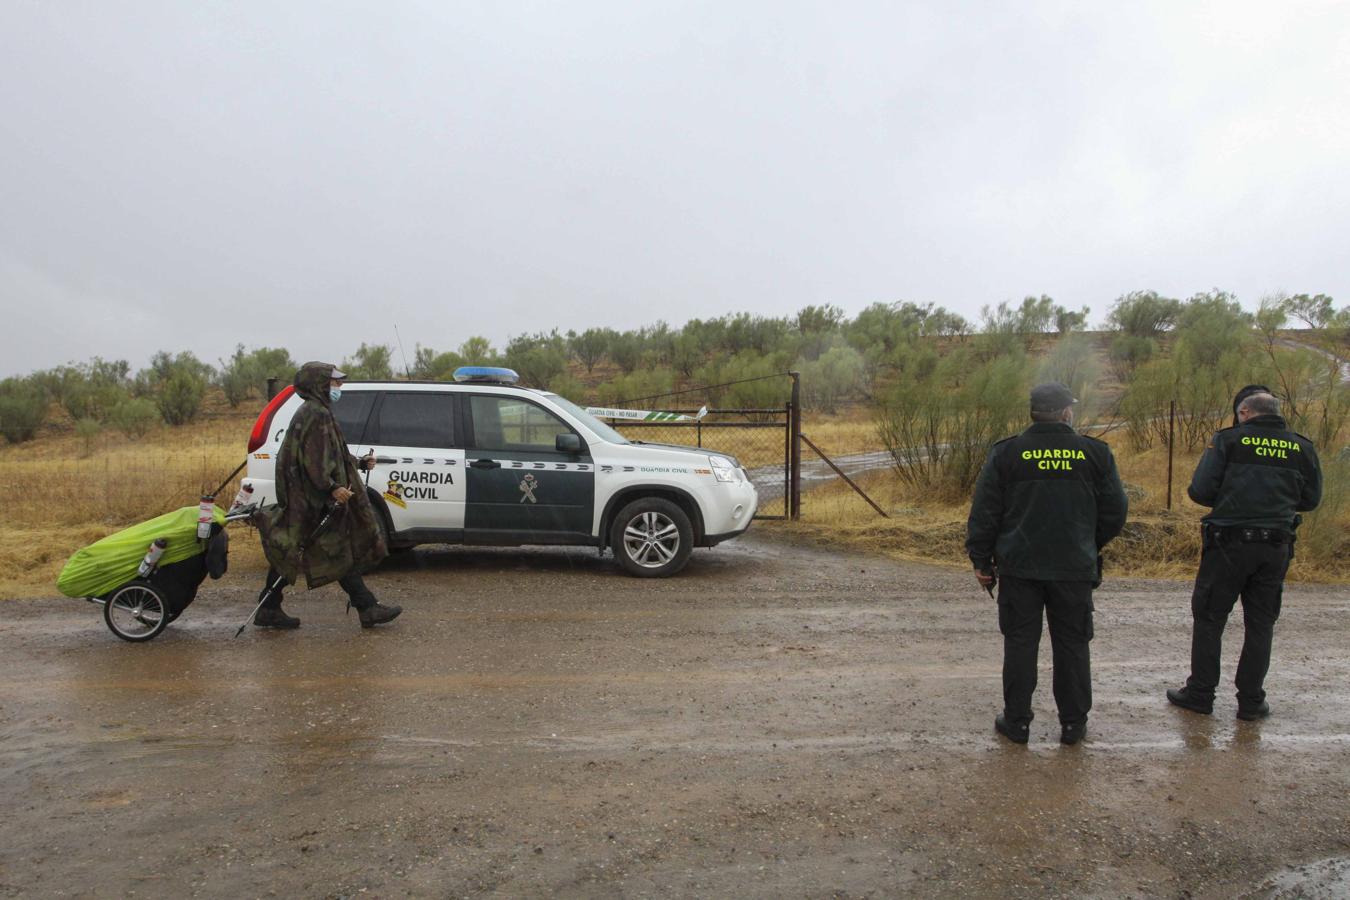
(193, 175)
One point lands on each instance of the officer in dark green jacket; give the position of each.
(1045, 504)
(1256, 477)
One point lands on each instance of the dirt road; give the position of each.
(779, 721)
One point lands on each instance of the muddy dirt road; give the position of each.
(780, 721)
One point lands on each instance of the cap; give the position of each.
(1051, 396)
(338, 375)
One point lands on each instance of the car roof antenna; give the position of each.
(406, 371)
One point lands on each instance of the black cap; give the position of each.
(1051, 397)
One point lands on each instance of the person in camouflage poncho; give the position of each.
(313, 472)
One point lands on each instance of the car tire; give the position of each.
(651, 538)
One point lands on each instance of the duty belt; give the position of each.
(1242, 534)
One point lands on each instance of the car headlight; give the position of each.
(723, 469)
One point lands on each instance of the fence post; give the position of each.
(1171, 421)
(787, 460)
(271, 386)
(795, 436)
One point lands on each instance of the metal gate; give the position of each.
(762, 440)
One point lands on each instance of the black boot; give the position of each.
(378, 614)
(1186, 700)
(1072, 732)
(1250, 712)
(274, 618)
(1017, 732)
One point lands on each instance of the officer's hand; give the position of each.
(341, 494)
(368, 461)
(986, 579)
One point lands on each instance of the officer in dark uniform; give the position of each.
(1045, 504)
(1255, 477)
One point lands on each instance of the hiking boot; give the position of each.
(1250, 712)
(1072, 732)
(274, 618)
(1017, 732)
(378, 614)
(1186, 700)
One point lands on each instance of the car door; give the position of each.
(520, 487)
(424, 487)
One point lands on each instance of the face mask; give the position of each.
(334, 394)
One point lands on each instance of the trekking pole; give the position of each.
(323, 523)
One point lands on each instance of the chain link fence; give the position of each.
(759, 438)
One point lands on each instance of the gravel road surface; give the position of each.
(779, 721)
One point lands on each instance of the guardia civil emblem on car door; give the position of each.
(527, 486)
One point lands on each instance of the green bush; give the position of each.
(832, 378)
(134, 417)
(176, 384)
(180, 398)
(538, 358)
(938, 422)
(23, 408)
(370, 362)
(245, 374)
(570, 388)
(1071, 361)
(641, 384)
(1323, 538)
(88, 430)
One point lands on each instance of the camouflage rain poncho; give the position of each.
(313, 459)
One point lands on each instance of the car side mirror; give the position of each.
(567, 443)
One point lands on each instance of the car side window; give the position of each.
(351, 413)
(420, 419)
(509, 423)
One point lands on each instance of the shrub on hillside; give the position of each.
(640, 385)
(134, 416)
(23, 409)
(832, 378)
(176, 385)
(88, 430)
(245, 374)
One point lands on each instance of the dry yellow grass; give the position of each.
(54, 500)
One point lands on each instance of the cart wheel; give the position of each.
(136, 612)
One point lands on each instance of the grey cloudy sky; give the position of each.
(194, 175)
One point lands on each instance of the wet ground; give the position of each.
(779, 721)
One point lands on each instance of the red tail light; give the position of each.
(264, 423)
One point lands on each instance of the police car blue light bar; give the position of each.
(485, 375)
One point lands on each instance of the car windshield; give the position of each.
(604, 431)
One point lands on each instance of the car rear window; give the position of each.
(421, 419)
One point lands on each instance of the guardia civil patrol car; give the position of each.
(485, 461)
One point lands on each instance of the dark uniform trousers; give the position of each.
(1230, 569)
(353, 584)
(1068, 608)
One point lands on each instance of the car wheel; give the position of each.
(651, 538)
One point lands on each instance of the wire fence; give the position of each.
(758, 438)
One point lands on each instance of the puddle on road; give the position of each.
(1326, 879)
